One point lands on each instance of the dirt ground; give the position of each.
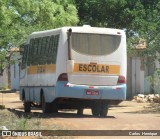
(129, 115)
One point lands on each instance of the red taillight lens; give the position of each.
(121, 79)
(63, 77)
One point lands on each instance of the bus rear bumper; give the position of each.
(67, 90)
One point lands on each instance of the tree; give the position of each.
(21, 17)
(139, 18)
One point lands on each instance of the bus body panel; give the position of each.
(116, 58)
(49, 93)
(34, 75)
(67, 90)
(96, 79)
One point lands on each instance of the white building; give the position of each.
(138, 73)
(11, 80)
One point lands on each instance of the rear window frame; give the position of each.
(80, 52)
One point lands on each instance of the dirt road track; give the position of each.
(128, 115)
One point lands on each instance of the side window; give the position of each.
(30, 52)
(47, 45)
(34, 54)
(42, 57)
(39, 46)
(51, 45)
(43, 50)
(43, 46)
(54, 49)
(36, 46)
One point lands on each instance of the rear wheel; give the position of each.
(27, 106)
(46, 107)
(80, 111)
(104, 109)
(54, 107)
(100, 109)
(96, 109)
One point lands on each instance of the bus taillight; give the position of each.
(63, 77)
(121, 79)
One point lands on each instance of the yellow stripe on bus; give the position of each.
(97, 68)
(42, 69)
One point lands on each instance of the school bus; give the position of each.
(74, 68)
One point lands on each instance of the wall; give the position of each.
(129, 77)
(137, 76)
(4, 80)
(15, 71)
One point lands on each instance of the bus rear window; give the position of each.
(95, 44)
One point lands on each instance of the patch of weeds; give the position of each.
(2, 107)
(13, 122)
(152, 108)
(21, 124)
(7, 119)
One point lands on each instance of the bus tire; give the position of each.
(27, 106)
(80, 111)
(104, 109)
(46, 107)
(54, 107)
(96, 110)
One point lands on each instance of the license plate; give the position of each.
(92, 92)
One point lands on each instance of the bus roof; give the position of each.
(79, 29)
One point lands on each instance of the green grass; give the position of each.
(13, 122)
(2, 107)
(29, 122)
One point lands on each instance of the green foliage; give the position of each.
(155, 81)
(2, 107)
(139, 18)
(18, 18)
(21, 17)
